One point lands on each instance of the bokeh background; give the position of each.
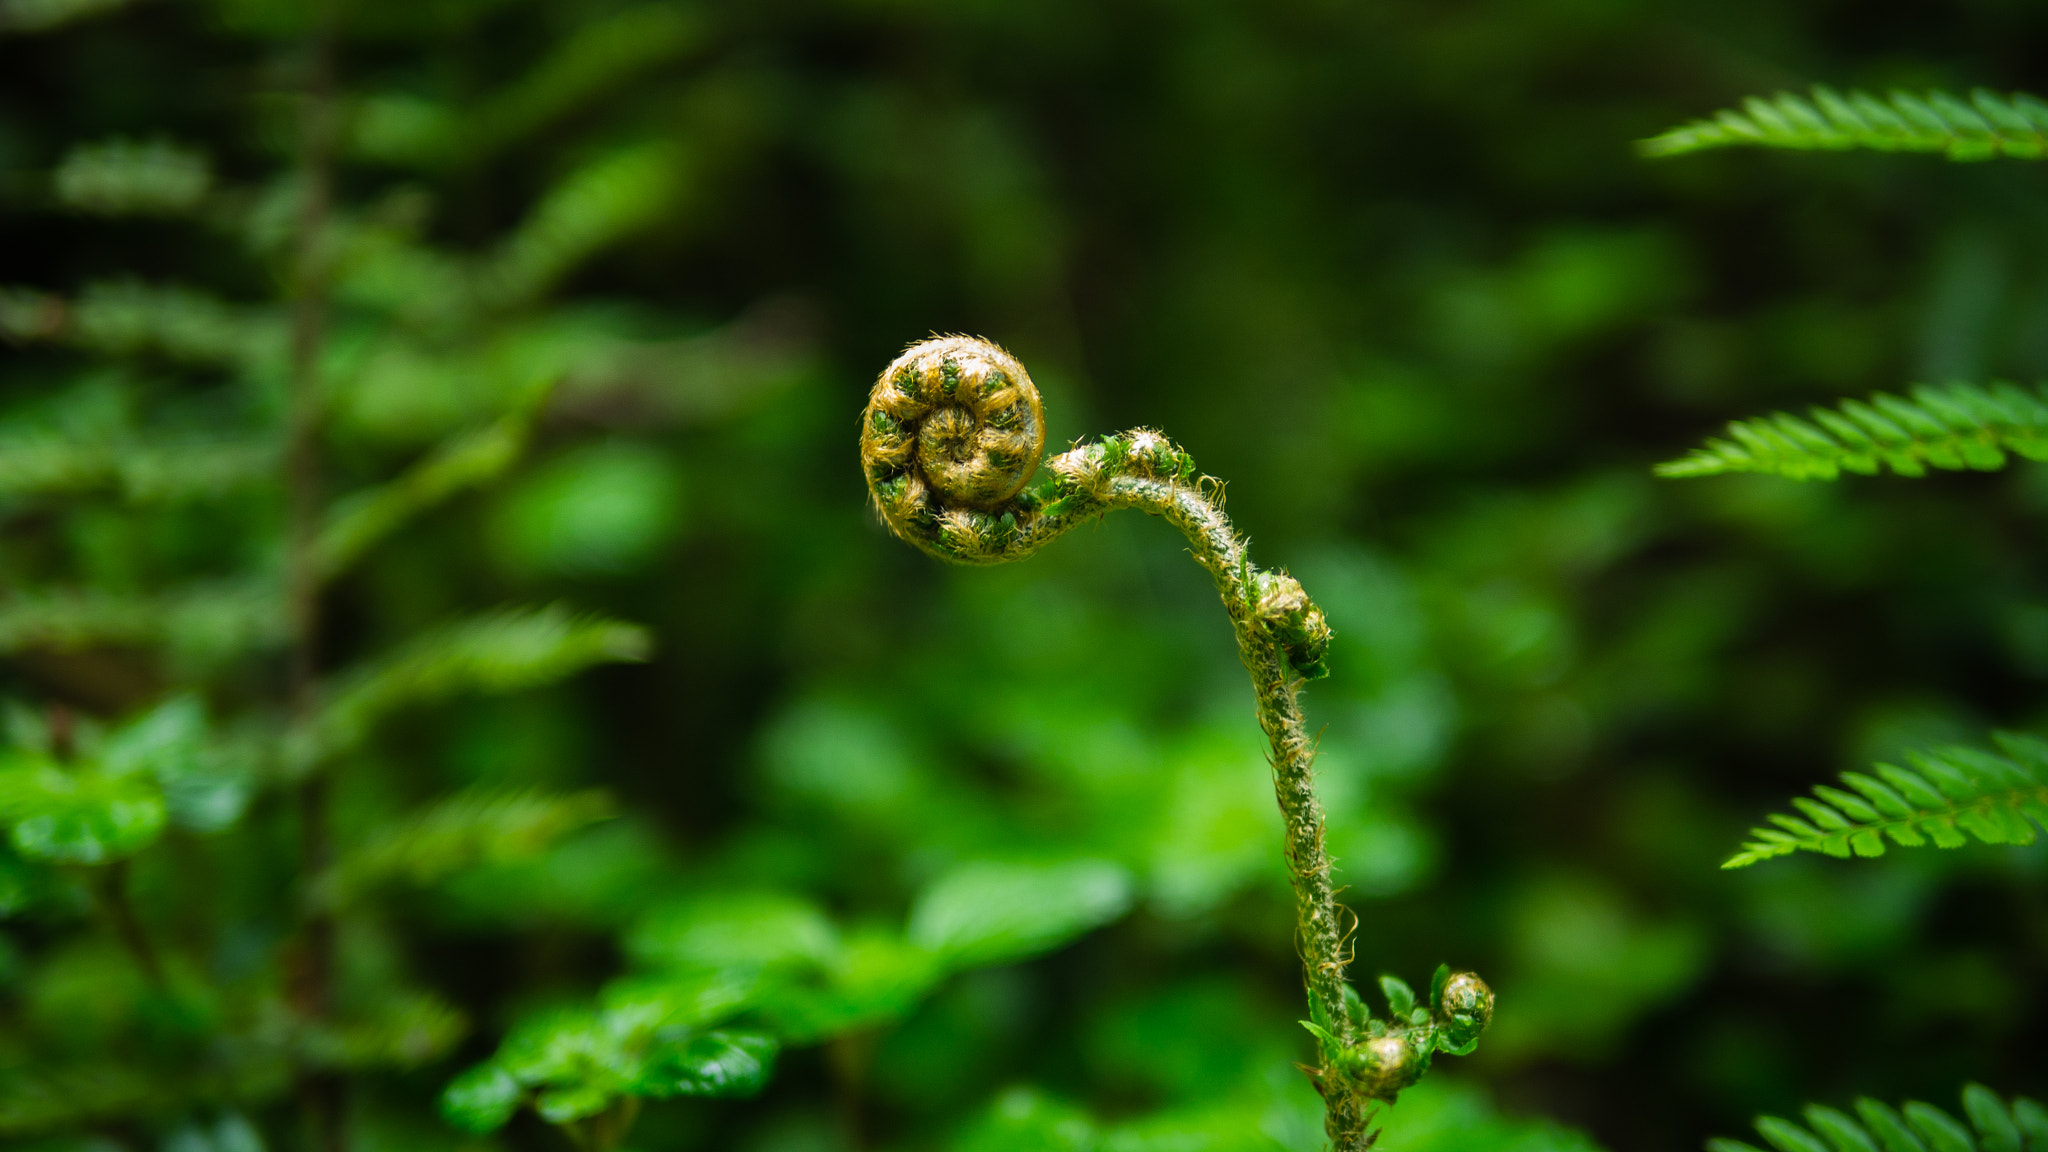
(1392, 269)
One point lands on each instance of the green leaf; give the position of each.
(995, 913)
(205, 785)
(504, 651)
(467, 460)
(40, 15)
(594, 207)
(1956, 426)
(1942, 1132)
(1989, 125)
(1996, 1130)
(735, 929)
(1924, 1128)
(126, 177)
(1786, 1136)
(479, 826)
(1957, 790)
(199, 625)
(125, 318)
(481, 1099)
(77, 815)
(726, 1064)
(1400, 997)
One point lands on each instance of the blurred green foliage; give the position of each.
(928, 858)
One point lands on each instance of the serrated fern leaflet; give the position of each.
(1951, 795)
(1956, 427)
(1985, 126)
(1994, 1126)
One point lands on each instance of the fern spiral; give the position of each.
(952, 434)
(949, 443)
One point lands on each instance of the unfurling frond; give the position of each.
(479, 826)
(1994, 1126)
(126, 177)
(1957, 790)
(503, 651)
(1988, 125)
(1953, 426)
(468, 460)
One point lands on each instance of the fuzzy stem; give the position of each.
(949, 443)
(1318, 919)
(1142, 470)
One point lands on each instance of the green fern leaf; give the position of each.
(127, 318)
(41, 15)
(1951, 795)
(504, 651)
(404, 1030)
(198, 624)
(478, 826)
(593, 207)
(125, 177)
(468, 460)
(1994, 1126)
(1987, 125)
(139, 473)
(1954, 426)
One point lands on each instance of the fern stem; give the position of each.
(950, 443)
(323, 1093)
(112, 890)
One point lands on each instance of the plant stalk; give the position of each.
(323, 1093)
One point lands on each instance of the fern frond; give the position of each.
(1955, 426)
(198, 623)
(139, 473)
(478, 826)
(403, 1030)
(592, 208)
(1987, 125)
(1995, 1126)
(468, 460)
(126, 177)
(125, 318)
(42, 15)
(503, 651)
(1956, 793)
(601, 54)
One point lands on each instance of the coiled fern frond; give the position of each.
(2021, 1126)
(1956, 426)
(1956, 793)
(1988, 125)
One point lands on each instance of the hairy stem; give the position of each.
(323, 1094)
(949, 443)
(1318, 919)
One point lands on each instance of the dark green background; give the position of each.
(1391, 269)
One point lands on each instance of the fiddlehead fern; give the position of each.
(949, 442)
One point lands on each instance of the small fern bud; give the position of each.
(1379, 1068)
(1295, 623)
(1463, 1009)
(952, 433)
